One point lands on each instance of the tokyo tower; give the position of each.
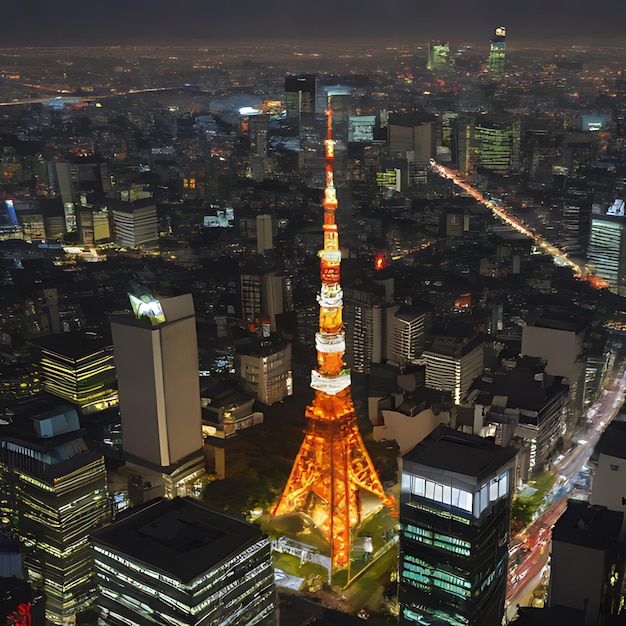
(333, 466)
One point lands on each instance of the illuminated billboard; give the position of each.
(147, 306)
(617, 208)
(222, 219)
(594, 123)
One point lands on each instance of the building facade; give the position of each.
(178, 562)
(455, 504)
(497, 53)
(135, 222)
(156, 358)
(452, 365)
(265, 367)
(607, 245)
(58, 491)
(408, 328)
(79, 368)
(587, 563)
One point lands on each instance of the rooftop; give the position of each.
(180, 537)
(613, 440)
(73, 346)
(549, 616)
(453, 451)
(588, 525)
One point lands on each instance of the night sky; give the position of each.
(179, 22)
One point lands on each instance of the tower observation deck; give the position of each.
(333, 467)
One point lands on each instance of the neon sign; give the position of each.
(22, 616)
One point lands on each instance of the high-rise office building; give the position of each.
(452, 364)
(497, 53)
(264, 295)
(58, 491)
(494, 142)
(465, 152)
(607, 245)
(587, 562)
(406, 340)
(178, 562)
(412, 136)
(365, 308)
(94, 224)
(135, 222)
(559, 340)
(78, 367)
(62, 178)
(438, 56)
(300, 94)
(264, 234)
(455, 508)
(361, 127)
(264, 366)
(156, 358)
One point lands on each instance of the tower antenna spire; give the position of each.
(333, 466)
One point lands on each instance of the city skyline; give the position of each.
(464, 367)
(67, 23)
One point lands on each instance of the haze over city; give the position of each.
(190, 22)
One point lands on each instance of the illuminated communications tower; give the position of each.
(332, 466)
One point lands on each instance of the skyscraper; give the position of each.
(300, 94)
(494, 142)
(365, 309)
(135, 222)
(455, 508)
(438, 55)
(497, 53)
(78, 367)
(607, 245)
(156, 357)
(264, 234)
(453, 363)
(264, 367)
(57, 488)
(332, 466)
(406, 340)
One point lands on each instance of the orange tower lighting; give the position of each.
(333, 465)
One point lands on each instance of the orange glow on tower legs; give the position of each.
(333, 465)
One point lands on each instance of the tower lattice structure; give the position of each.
(333, 466)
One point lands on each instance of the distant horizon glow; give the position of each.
(39, 22)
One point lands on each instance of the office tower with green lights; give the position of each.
(497, 53)
(455, 505)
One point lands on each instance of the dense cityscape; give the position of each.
(313, 333)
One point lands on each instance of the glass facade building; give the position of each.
(497, 53)
(79, 367)
(56, 491)
(178, 562)
(607, 247)
(454, 516)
